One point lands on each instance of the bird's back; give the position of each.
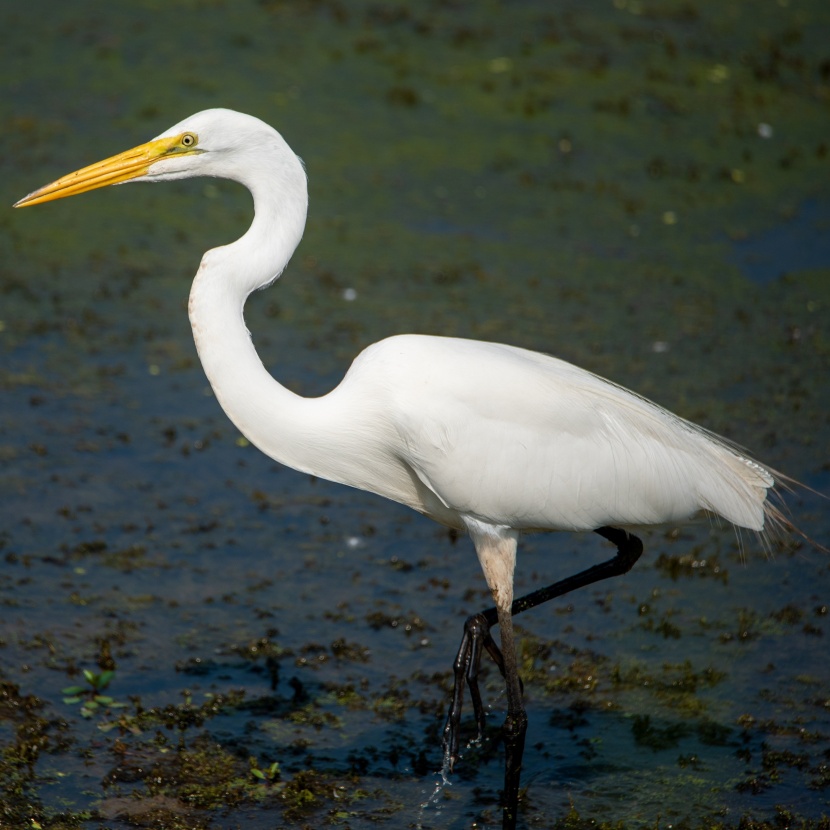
(520, 439)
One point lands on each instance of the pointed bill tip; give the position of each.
(126, 166)
(25, 201)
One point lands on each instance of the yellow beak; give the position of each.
(131, 164)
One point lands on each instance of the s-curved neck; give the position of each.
(339, 436)
(270, 416)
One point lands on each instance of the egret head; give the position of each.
(215, 142)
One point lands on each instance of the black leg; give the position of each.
(477, 635)
(515, 724)
(467, 663)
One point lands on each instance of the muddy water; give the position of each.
(639, 188)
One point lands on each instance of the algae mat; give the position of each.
(638, 187)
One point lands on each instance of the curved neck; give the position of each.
(265, 412)
(332, 437)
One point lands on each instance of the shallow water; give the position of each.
(797, 243)
(589, 181)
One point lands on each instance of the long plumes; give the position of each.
(736, 478)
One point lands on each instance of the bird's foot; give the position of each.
(466, 667)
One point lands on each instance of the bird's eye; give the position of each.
(188, 140)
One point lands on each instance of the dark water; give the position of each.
(562, 178)
(800, 242)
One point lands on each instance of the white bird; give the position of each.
(482, 437)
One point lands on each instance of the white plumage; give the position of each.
(479, 436)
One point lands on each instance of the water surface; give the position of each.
(585, 179)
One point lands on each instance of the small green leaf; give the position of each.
(71, 700)
(258, 773)
(72, 690)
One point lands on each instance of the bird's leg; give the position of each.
(477, 631)
(629, 550)
(465, 669)
(515, 724)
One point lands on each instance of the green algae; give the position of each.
(576, 179)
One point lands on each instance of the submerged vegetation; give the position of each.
(195, 638)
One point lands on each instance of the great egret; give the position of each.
(486, 438)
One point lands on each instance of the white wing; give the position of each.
(520, 439)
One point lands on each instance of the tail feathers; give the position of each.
(739, 492)
(748, 495)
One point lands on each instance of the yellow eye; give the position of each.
(188, 140)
